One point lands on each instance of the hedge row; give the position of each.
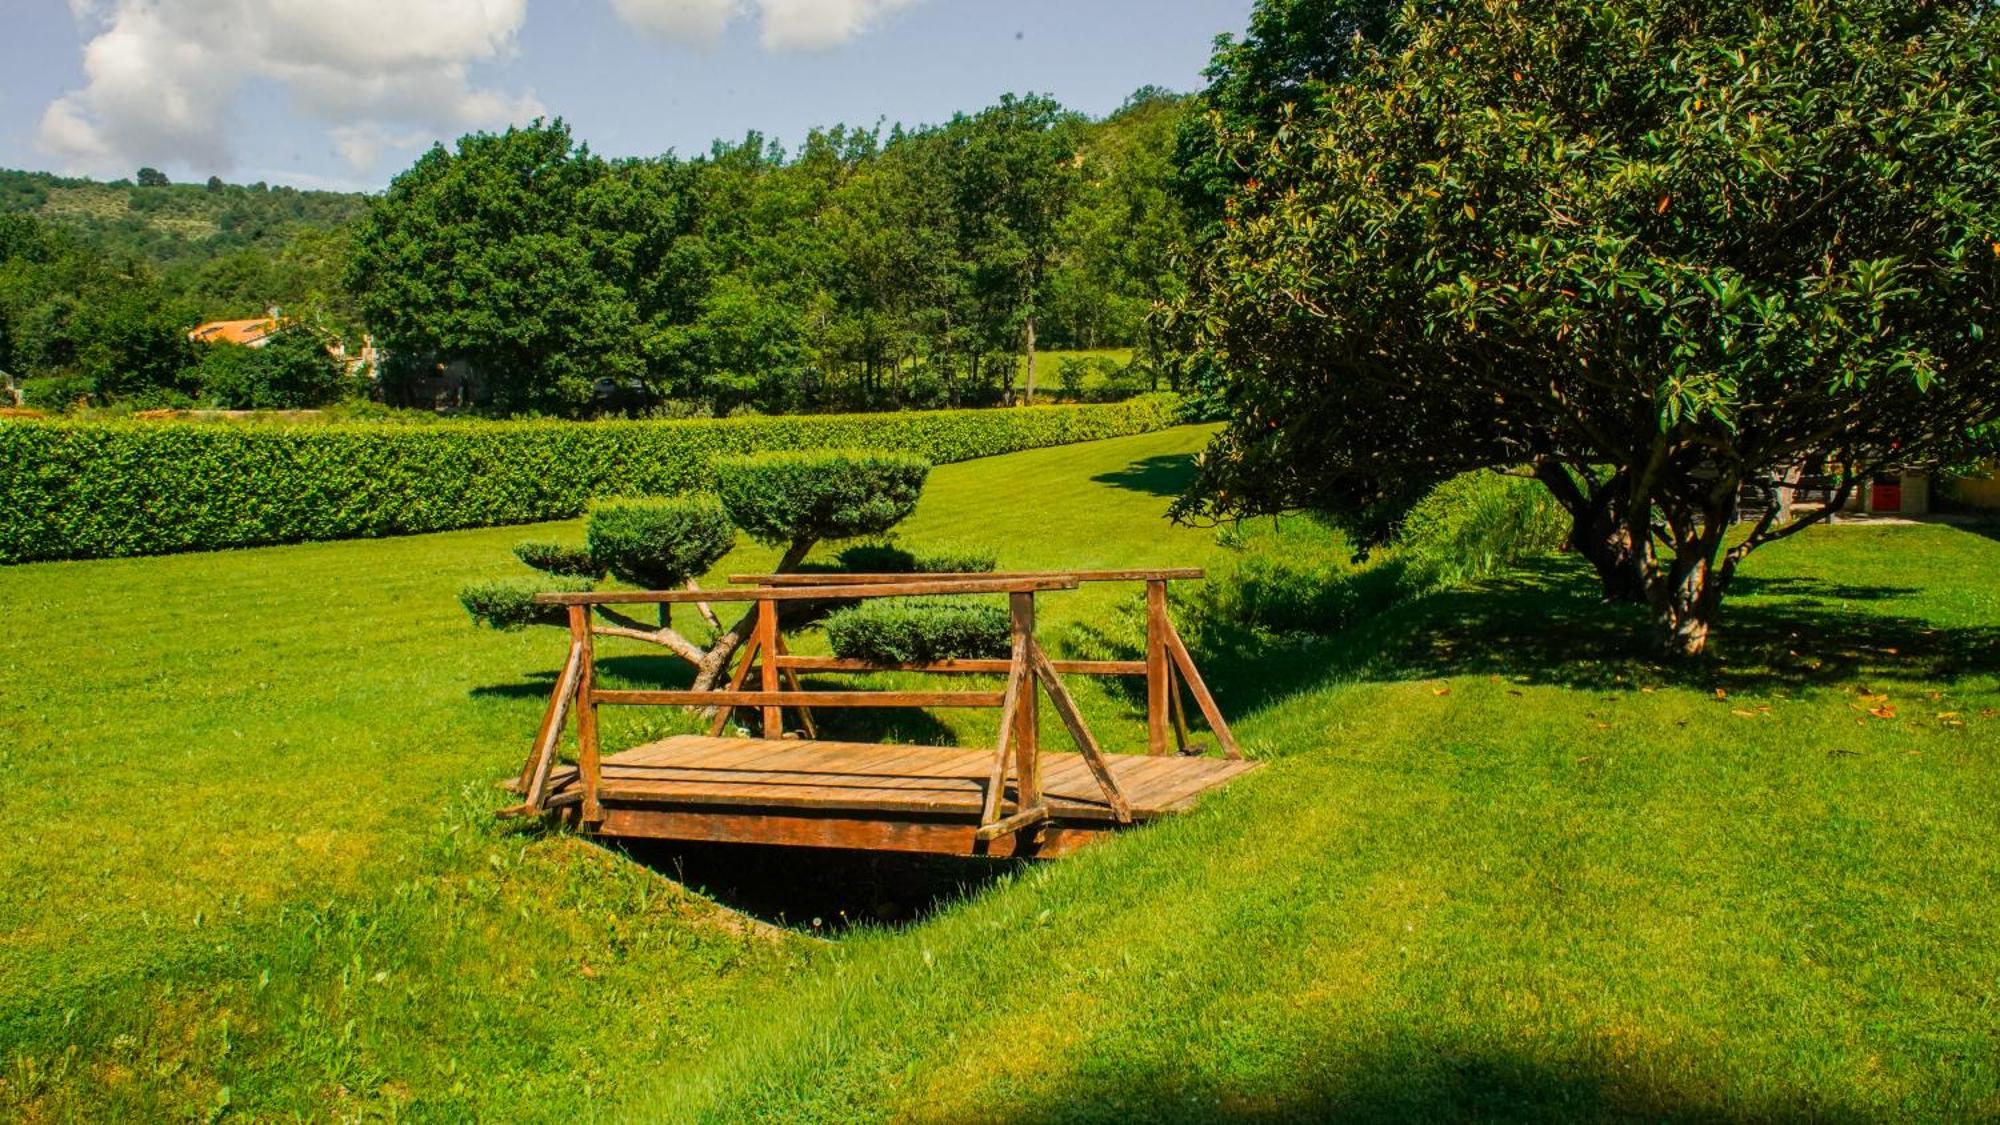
(71, 490)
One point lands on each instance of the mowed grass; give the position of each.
(1499, 864)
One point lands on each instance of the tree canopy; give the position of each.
(1659, 254)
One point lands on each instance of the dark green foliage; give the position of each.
(96, 489)
(1475, 525)
(1297, 575)
(292, 371)
(916, 630)
(543, 266)
(888, 558)
(508, 604)
(56, 393)
(1662, 251)
(659, 543)
(788, 496)
(559, 559)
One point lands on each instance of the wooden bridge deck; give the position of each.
(868, 795)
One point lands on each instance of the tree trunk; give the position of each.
(1598, 533)
(713, 671)
(1031, 360)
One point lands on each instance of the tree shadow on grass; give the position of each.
(1163, 474)
(1546, 623)
(1413, 1078)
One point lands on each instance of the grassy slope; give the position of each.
(1498, 869)
(1588, 884)
(243, 784)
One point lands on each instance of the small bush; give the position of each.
(1291, 576)
(785, 497)
(658, 544)
(559, 559)
(1476, 525)
(508, 604)
(887, 558)
(56, 393)
(919, 630)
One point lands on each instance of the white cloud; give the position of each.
(786, 25)
(162, 77)
(699, 22)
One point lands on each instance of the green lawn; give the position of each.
(1499, 864)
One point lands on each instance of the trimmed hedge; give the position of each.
(99, 489)
(920, 630)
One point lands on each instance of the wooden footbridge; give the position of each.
(791, 787)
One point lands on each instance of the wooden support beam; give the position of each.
(1026, 818)
(586, 713)
(792, 682)
(1086, 743)
(970, 699)
(1162, 574)
(1010, 703)
(962, 666)
(723, 713)
(767, 643)
(910, 587)
(542, 758)
(1027, 712)
(1157, 684)
(1202, 698)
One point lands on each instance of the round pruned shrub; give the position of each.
(508, 604)
(919, 630)
(659, 543)
(802, 496)
(559, 559)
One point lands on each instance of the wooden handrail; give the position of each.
(959, 666)
(780, 581)
(908, 587)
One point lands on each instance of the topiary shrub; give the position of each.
(559, 559)
(659, 544)
(919, 630)
(888, 558)
(797, 498)
(509, 604)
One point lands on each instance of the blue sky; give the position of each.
(343, 93)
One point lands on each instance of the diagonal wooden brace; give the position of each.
(1093, 755)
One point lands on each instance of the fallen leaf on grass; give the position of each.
(1947, 714)
(1883, 712)
(1721, 694)
(1441, 691)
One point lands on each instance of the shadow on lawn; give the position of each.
(1414, 1079)
(1545, 623)
(1163, 474)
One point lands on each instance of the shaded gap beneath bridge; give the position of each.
(823, 891)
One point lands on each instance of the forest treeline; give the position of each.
(868, 268)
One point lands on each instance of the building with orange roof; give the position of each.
(254, 333)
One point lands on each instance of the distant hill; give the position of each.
(227, 250)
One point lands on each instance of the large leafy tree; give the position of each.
(1665, 252)
(540, 264)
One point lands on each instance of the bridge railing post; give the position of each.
(1027, 716)
(767, 665)
(1157, 683)
(586, 712)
